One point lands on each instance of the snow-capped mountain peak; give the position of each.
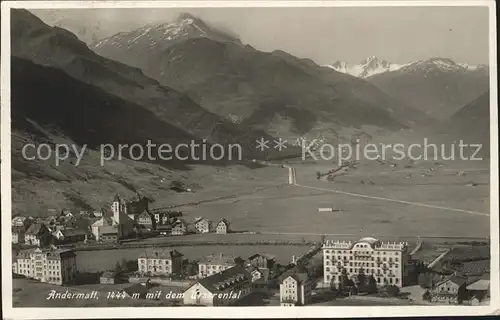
(184, 27)
(373, 65)
(370, 66)
(443, 65)
(340, 66)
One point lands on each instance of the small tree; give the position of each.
(333, 287)
(118, 268)
(372, 285)
(392, 291)
(124, 265)
(350, 286)
(427, 296)
(276, 268)
(362, 280)
(302, 268)
(318, 175)
(343, 280)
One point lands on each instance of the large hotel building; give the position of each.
(386, 262)
(56, 266)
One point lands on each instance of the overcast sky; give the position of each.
(396, 34)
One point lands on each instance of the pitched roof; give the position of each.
(221, 259)
(180, 221)
(201, 219)
(455, 279)
(145, 214)
(24, 254)
(479, 283)
(60, 253)
(265, 255)
(458, 280)
(73, 232)
(153, 253)
(52, 254)
(107, 221)
(225, 221)
(108, 274)
(300, 277)
(475, 267)
(35, 228)
(227, 278)
(263, 271)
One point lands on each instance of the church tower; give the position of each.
(118, 207)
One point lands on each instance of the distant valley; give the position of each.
(437, 86)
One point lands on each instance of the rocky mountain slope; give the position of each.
(471, 124)
(273, 91)
(64, 93)
(437, 86)
(128, 47)
(56, 47)
(50, 107)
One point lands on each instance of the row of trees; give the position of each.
(362, 283)
(126, 266)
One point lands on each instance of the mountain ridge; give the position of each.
(437, 86)
(35, 41)
(259, 88)
(471, 123)
(373, 66)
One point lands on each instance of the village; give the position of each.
(329, 272)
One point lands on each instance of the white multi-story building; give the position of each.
(386, 262)
(160, 262)
(203, 225)
(213, 264)
(296, 290)
(56, 266)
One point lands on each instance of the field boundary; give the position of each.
(418, 204)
